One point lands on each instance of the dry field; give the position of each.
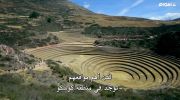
(129, 68)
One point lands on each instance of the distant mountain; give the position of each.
(177, 19)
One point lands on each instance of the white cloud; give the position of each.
(167, 16)
(138, 2)
(86, 5)
(125, 10)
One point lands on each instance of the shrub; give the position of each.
(62, 71)
(11, 79)
(53, 86)
(34, 15)
(107, 93)
(49, 20)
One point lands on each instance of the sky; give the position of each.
(151, 9)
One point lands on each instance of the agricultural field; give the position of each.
(129, 68)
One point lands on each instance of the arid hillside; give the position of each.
(69, 11)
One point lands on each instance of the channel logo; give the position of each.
(167, 4)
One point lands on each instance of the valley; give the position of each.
(129, 68)
(45, 42)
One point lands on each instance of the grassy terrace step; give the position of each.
(165, 75)
(132, 57)
(96, 52)
(144, 68)
(148, 83)
(143, 62)
(56, 53)
(103, 63)
(119, 65)
(134, 74)
(157, 77)
(99, 70)
(140, 60)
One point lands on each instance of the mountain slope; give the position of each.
(43, 6)
(59, 8)
(177, 19)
